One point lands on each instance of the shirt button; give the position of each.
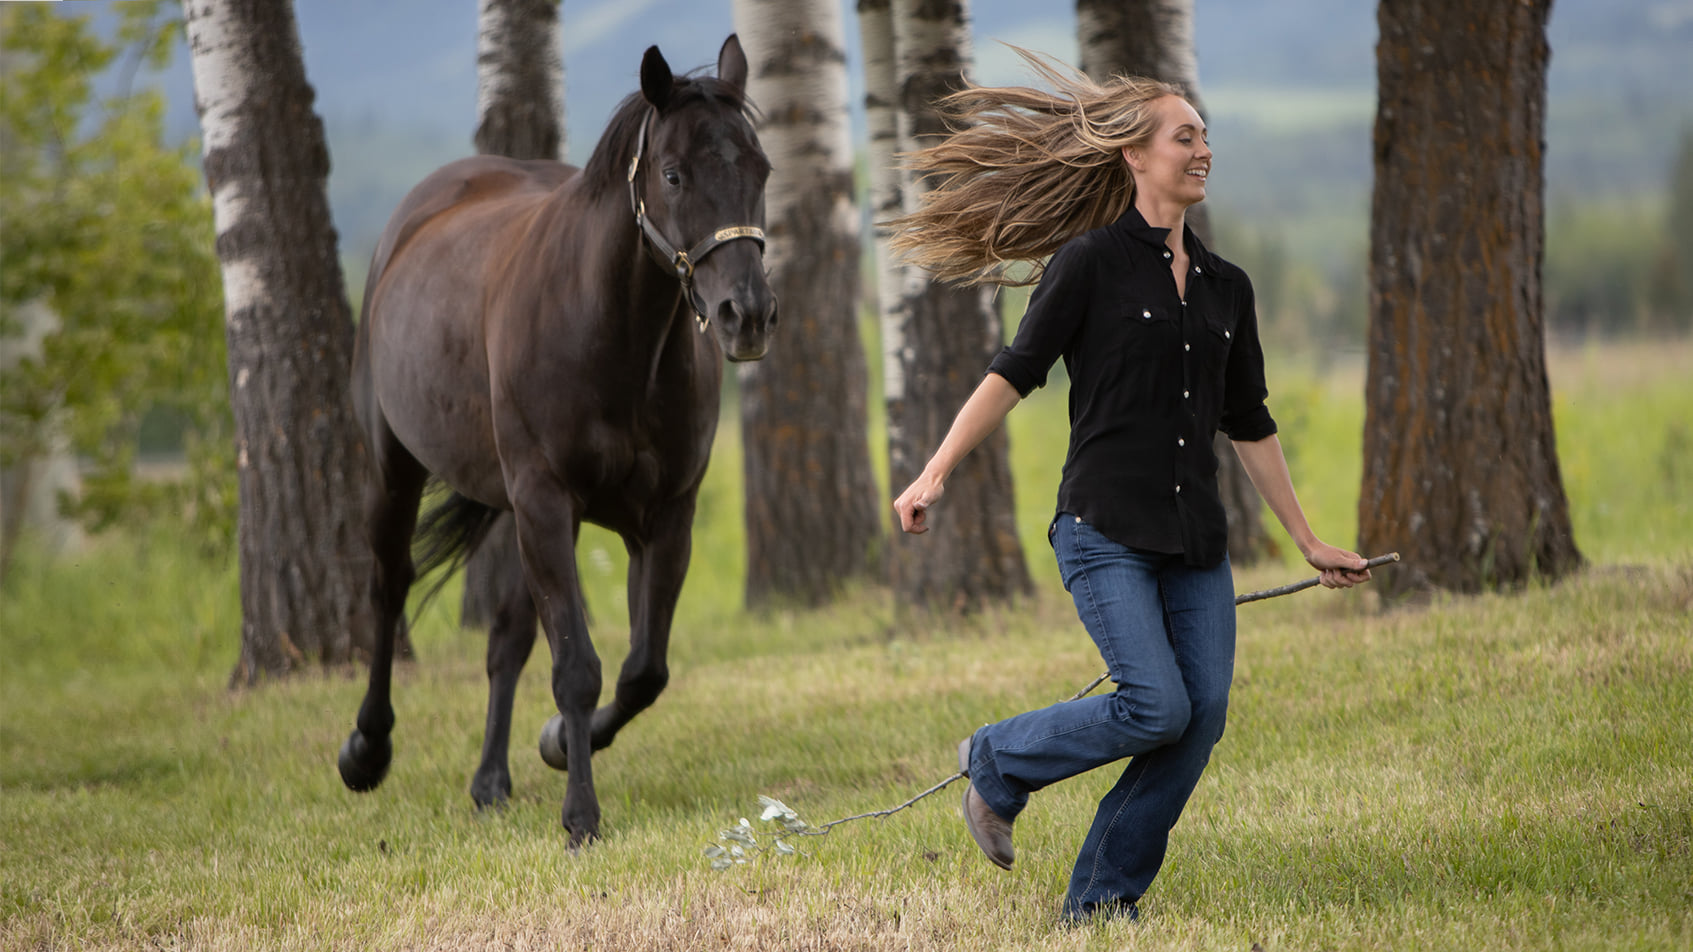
(1227, 336)
(1184, 394)
(1078, 520)
(1181, 442)
(1146, 313)
(1187, 347)
(1166, 256)
(1178, 489)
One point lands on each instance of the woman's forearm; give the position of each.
(981, 414)
(1266, 466)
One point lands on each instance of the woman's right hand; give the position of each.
(913, 504)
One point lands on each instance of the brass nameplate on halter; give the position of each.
(739, 231)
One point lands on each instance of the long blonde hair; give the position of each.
(1023, 171)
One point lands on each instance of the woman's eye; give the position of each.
(673, 177)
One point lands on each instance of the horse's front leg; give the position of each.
(511, 637)
(656, 571)
(546, 537)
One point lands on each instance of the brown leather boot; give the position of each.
(991, 831)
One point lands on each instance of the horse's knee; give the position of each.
(636, 691)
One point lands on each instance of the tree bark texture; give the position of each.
(938, 342)
(1154, 38)
(1460, 463)
(812, 517)
(304, 558)
(520, 113)
(519, 79)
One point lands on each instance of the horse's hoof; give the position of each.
(553, 748)
(364, 763)
(490, 794)
(582, 839)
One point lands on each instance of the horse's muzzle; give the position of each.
(744, 324)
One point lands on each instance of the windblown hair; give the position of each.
(1023, 171)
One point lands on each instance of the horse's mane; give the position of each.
(608, 165)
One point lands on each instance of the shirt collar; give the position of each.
(1133, 223)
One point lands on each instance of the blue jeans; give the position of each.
(1167, 634)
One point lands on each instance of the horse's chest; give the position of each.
(630, 463)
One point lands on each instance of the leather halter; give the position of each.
(666, 254)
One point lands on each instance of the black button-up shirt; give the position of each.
(1152, 379)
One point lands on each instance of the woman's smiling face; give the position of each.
(1174, 165)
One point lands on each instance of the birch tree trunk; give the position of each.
(1460, 462)
(300, 460)
(812, 517)
(938, 341)
(1154, 38)
(520, 113)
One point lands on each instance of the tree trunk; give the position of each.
(520, 106)
(1460, 464)
(519, 79)
(938, 341)
(812, 520)
(1154, 38)
(304, 559)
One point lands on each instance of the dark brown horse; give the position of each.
(529, 339)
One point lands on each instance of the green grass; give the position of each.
(1499, 772)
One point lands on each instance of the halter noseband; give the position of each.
(669, 256)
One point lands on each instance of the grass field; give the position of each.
(1507, 771)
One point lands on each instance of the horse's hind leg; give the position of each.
(391, 501)
(511, 637)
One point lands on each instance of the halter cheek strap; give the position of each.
(666, 254)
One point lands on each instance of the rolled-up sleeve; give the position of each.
(1055, 311)
(1245, 418)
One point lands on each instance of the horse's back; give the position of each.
(420, 368)
(465, 182)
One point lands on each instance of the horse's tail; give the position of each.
(447, 533)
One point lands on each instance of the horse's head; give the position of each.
(699, 192)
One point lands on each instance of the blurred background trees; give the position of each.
(106, 229)
(106, 233)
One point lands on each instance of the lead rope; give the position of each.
(1289, 589)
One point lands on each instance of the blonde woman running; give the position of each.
(1159, 337)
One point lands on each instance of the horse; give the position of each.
(527, 340)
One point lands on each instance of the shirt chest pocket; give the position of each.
(1216, 340)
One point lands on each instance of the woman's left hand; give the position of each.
(1340, 568)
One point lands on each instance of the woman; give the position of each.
(1160, 340)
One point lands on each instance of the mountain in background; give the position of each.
(1289, 88)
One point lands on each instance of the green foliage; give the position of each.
(108, 226)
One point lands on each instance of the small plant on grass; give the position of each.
(739, 845)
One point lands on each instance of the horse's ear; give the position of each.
(656, 79)
(732, 64)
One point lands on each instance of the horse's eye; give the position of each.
(673, 177)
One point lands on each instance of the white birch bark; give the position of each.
(520, 79)
(812, 512)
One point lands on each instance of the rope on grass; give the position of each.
(1288, 589)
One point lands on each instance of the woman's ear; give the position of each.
(1131, 158)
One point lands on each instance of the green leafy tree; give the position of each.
(106, 223)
